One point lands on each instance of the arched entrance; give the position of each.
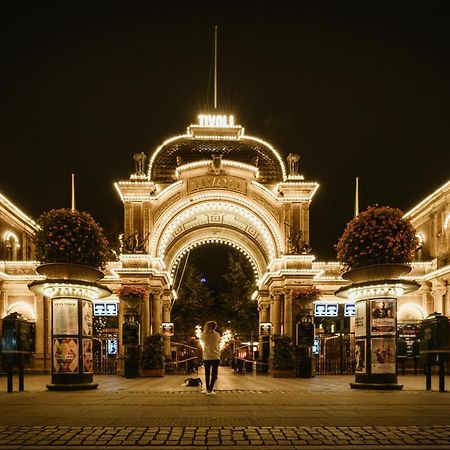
(217, 184)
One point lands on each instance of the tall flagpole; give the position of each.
(357, 197)
(73, 192)
(215, 66)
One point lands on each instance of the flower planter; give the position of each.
(70, 271)
(131, 303)
(374, 272)
(153, 372)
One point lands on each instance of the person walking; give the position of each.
(211, 355)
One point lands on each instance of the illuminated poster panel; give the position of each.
(360, 356)
(87, 356)
(86, 317)
(65, 356)
(383, 355)
(65, 316)
(360, 320)
(382, 316)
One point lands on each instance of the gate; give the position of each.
(105, 355)
(335, 354)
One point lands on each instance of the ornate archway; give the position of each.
(217, 184)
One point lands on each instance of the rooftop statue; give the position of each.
(293, 160)
(139, 163)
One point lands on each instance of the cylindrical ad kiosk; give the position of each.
(376, 331)
(72, 329)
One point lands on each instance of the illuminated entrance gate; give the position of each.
(215, 184)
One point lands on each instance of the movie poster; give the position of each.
(65, 316)
(87, 356)
(383, 355)
(360, 319)
(360, 356)
(87, 318)
(382, 316)
(65, 355)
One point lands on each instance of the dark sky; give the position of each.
(356, 91)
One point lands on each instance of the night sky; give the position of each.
(356, 91)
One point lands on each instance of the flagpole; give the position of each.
(215, 67)
(73, 192)
(357, 196)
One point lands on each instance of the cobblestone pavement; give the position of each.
(248, 411)
(232, 437)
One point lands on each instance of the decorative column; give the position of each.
(288, 313)
(275, 312)
(71, 288)
(438, 290)
(375, 290)
(166, 302)
(264, 335)
(156, 312)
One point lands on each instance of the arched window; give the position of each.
(11, 245)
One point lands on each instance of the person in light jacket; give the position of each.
(211, 355)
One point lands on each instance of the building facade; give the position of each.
(216, 184)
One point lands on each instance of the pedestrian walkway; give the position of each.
(248, 410)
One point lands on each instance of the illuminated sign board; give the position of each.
(112, 346)
(349, 310)
(215, 121)
(167, 328)
(106, 309)
(265, 328)
(326, 309)
(316, 346)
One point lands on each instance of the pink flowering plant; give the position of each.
(306, 293)
(379, 235)
(131, 291)
(67, 236)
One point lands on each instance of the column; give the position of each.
(145, 317)
(275, 312)
(439, 290)
(166, 318)
(39, 358)
(264, 340)
(287, 313)
(156, 312)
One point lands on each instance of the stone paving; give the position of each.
(235, 437)
(248, 411)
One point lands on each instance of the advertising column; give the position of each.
(376, 331)
(72, 341)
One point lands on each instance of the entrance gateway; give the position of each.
(216, 184)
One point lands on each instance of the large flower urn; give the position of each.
(375, 290)
(72, 288)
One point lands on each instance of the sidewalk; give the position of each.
(248, 410)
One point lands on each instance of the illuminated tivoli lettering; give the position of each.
(215, 121)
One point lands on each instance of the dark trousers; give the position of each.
(211, 376)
